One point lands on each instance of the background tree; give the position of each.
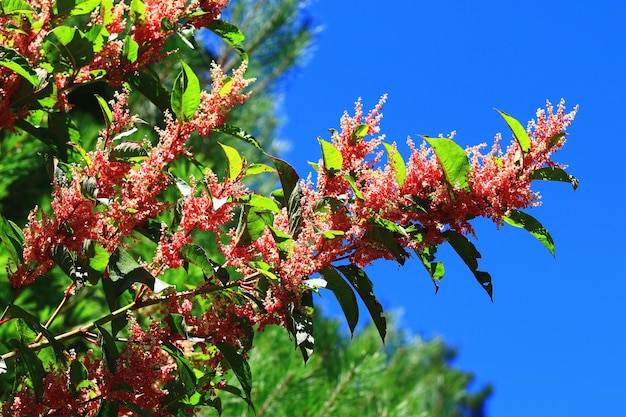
(358, 377)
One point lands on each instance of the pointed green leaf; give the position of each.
(67, 48)
(185, 93)
(358, 134)
(288, 177)
(9, 7)
(239, 365)
(294, 212)
(109, 349)
(470, 255)
(344, 295)
(302, 325)
(251, 226)
(397, 163)
(34, 366)
(137, 12)
(12, 238)
(453, 160)
(526, 221)
(388, 239)
(131, 49)
(106, 111)
(518, 131)
(14, 61)
(231, 35)
(259, 201)
(234, 161)
(255, 169)
(238, 133)
(555, 174)
(357, 193)
(364, 287)
(332, 158)
(435, 269)
(128, 152)
(184, 368)
(34, 324)
(147, 82)
(84, 7)
(199, 257)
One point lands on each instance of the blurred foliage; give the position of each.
(358, 377)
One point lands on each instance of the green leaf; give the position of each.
(106, 111)
(185, 93)
(199, 257)
(137, 12)
(109, 349)
(332, 158)
(302, 325)
(255, 169)
(231, 35)
(250, 227)
(16, 62)
(131, 49)
(288, 178)
(453, 160)
(34, 324)
(184, 368)
(67, 48)
(33, 365)
(107, 409)
(78, 374)
(234, 161)
(397, 163)
(84, 7)
(10, 7)
(12, 238)
(529, 223)
(358, 134)
(364, 287)
(387, 238)
(238, 133)
(128, 152)
(555, 174)
(100, 258)
(518, 131)
(68, 263)
(344, 295)
(239, 365)
(147, 82)
(261, 202)
(435, 269)
(294, 212)
(357, 193)
(470, 255)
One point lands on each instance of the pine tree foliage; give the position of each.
(358, 377)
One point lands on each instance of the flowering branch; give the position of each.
(188, 263)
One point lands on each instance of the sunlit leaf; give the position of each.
(453, 160)
(67, 48)
(555, 174)
(185, 93)
(518, 131)
(358, 134)
(397, 163)
(332, 158)
(529, 223)
(231, 35)
(238, 133)
(234, 161)
(14, 61)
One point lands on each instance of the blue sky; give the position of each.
(553, 341)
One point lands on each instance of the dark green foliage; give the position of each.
(408, 377)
